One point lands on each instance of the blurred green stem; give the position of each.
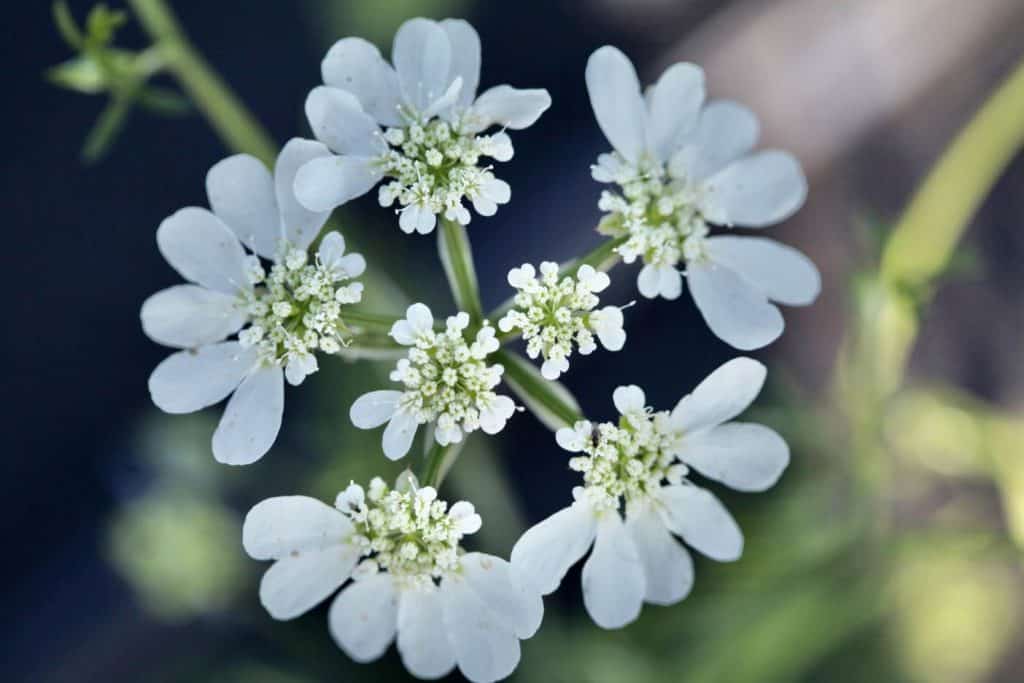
(229, 118)
(457, 259)
(438, 462)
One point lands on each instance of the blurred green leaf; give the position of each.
(102, 23)
(66, 25)
(164, 101)
(104, 132)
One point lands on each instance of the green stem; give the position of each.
(230, 119)
(603, 257)
(549, 401)
(371, 322)
(438, 463)
(457, 259)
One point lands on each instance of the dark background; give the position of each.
(867, 106)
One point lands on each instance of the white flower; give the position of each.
(681, 165)
(431, 149)
(411, 580)
(555, 314)
(287, 313)
(635, 495)
(446, 381)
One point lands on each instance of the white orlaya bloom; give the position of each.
(636, 497)
(288, 314)
(446, 381)
(444, 607)
(434, 137)
(554, 314)
(681, 166)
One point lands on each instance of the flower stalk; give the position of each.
(549, 401)
(457, 259)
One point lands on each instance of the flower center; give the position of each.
(295, 310)
(447, 379)
(658, 215)
(628, 461)
(434, 166)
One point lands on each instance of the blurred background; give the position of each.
(892, 549)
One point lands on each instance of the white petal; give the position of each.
(374, 409)
(724, 133)
(252, 418)
(629, 399)
(192, 380)
(241, 193)
(202, 249)
(543, 554)
(649, 281)
(721, 396)
(674, 108)
(613, 577)
(736, 312)
(422, 55)
(332, 249)
(491, 579)
(781, 272)
(485, 648)
(363, 617)
(553, 368)
(352, 265)
(323, 184)
(187, 316)
(300, 581)
(398, 435)
(443, 104)
(618, 105)
(356, 66)
(670, 283)
(465, 44)
(508, 107)
(276, 527)
(759, 190)
(416, 218)
(339, 122)
(668, 569)
(609, 328)
(300, 226)
(422, 638)
(420, 318)
(494, 416)
(702, 521)
(741, 455)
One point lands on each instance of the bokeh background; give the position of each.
(891, 551)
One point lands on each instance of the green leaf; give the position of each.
(102, 23)
(457, 259)
(549, 401)
(66, 25)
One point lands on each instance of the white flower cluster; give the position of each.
(297, 310)
(636, 495)
(554, 313)
(680, 166)
(432, 142)
(447, 382)
(434, 167)
(411, 582)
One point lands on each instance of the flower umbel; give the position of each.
(447, 381)
(554, 314)
(411, 579)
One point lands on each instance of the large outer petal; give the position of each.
(465, 44)
(757, 191)
(339, 122)
(188, 316)
(668, 569)
(613, 576)
(422, 55)
(675, 103)
(543, 555)
(422, 639)
(202, 249)
(300, 581)
(241, 193)
(702, 521)
(328, 182)
(188, 381)
(781, 272)
(299, 225)
(276, 527)
(618, 105)
(725, 132)
(742, 455)
(485, 648)
(721, 396)
(508, 107)
(491, 579)
(363, 617)
(735, 310)
(356, 65)
(374, 408)
(398, 435)
(252, 418)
